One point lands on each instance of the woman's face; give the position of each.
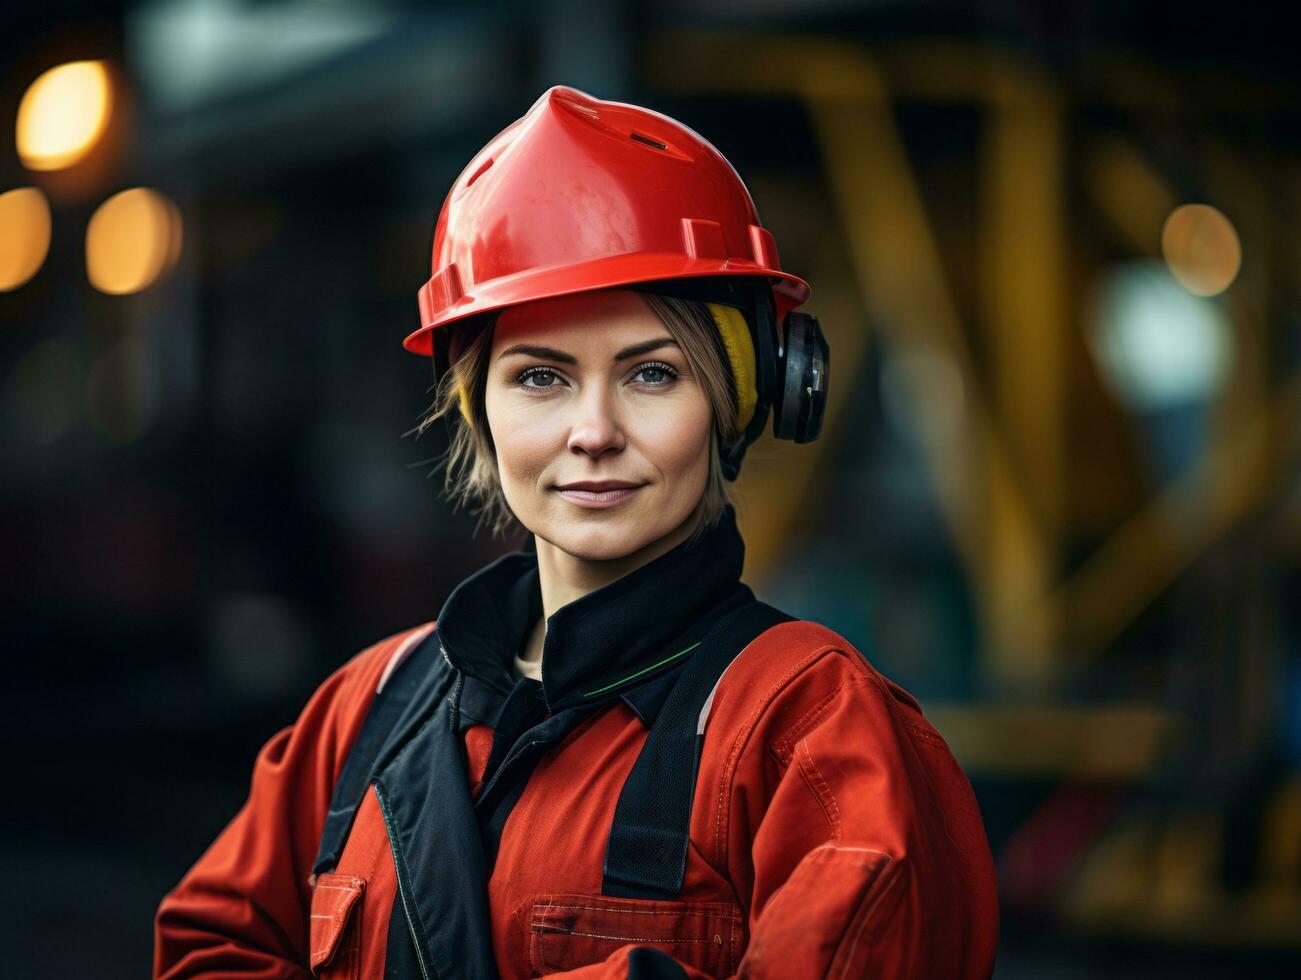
(602, 433)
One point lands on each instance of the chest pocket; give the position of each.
(335, 932)
(568, 931)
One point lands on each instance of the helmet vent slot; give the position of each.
(654, 143)
(480, 172)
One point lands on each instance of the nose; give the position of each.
(595, 429)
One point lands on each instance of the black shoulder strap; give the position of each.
(647, 853)
(415, 685)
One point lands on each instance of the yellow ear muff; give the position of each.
(740, 351)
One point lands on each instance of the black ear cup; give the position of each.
(802, 395)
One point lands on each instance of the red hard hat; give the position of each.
(584, 194)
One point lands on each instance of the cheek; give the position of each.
(524, 438)
(677, 438)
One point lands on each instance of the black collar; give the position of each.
(618, 641)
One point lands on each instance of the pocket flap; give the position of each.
(333, 900)
(575, 930)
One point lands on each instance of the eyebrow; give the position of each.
(551, 353)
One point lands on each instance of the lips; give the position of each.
(599, 493)
(598, 486)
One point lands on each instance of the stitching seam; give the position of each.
(673, 912)
(628, 939)
(826, 799)
(743, 736)
(925, 735)
(865, 912)
(783, 748)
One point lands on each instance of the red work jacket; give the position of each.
(832, 834)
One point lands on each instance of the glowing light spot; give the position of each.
(1201, 249)
(63, 114)
(24, 235)
(132, 239)
(1158, 346)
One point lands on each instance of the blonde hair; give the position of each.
(472, 478)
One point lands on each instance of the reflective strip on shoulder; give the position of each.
(401, 652)
(709, 701)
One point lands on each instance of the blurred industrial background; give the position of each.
(1058, 495)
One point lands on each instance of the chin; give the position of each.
(604, 538)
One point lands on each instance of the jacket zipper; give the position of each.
(404, 884)
(514, 754)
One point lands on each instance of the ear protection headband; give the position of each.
(785, 370)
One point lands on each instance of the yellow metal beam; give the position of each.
(1134, 197)
(1022, 256)
(1229, 483)
(1115, 742)
(1000, 480)
(778, 476)
(898, 267)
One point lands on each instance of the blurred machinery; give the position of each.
(1111, 441)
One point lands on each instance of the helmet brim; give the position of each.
(789, 291)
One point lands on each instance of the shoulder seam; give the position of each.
(743, 737)
(783, 747)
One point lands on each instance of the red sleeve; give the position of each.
(242, 909)
(857, 839)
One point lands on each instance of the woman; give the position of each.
(604, 758)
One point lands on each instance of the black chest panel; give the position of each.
(411, 750)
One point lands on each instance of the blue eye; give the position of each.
(667, 371)
(660, 376)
